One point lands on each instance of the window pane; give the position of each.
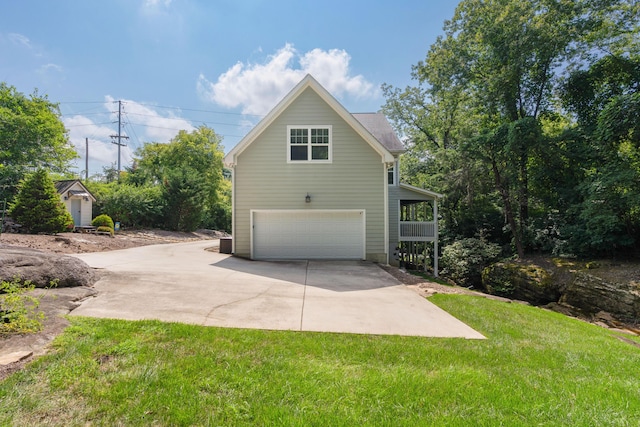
(299, 136)
(319, 136)
(299, 153)
(320, 153)
(390, 176)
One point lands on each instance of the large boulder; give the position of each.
(522, 281)
(592, 294)
(43, 268)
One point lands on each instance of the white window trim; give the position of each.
(309, 127)
(395, 167)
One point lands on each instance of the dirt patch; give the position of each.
(56, 303)
(77, 243)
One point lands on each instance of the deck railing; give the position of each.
(417, 231)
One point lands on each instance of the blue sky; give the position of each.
(177, 64)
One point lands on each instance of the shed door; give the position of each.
(308, 234)
(76, 212)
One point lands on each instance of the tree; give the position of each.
(189, 169)
(31, 136)
(131, 205)
(37, 206)
(486, 86)
(185, 196)
(605, 99)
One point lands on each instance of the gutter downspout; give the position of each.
(233, 208)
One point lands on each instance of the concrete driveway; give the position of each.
(183, 282)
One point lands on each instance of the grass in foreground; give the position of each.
(535, 368)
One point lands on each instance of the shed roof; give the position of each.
(65, 185)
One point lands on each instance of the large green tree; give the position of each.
(189, 169)
(604, 216)
(486, 90)
(32, 136)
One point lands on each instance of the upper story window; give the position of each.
(392, 176)
(309, 144)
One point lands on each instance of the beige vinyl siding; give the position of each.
(265, 180)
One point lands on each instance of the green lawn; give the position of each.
(535, 368)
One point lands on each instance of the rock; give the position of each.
(16, 356)
(521, 281)
(41, 268)
(594, 294)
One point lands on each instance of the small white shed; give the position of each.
(78, 201)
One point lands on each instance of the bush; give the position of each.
(131, 205)
(38, 207)
(464, 260)
(18, 311)
(103, 221)
(105, 229)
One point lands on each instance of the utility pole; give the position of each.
(86, 159)
(118, 138)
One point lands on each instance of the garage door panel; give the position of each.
(308, 234)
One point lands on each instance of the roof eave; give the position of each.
(421, 191)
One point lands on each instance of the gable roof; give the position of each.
(378, 125)
(308, 82)
(66, 184)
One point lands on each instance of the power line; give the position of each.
(168, 107)
(81, 102)
(87, 124)
(183, 119)
(201, 111)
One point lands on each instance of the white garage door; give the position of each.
(308, 234)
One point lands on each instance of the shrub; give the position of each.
(103, 221)
(464, 260)
(131, 205)
(38, 206)
(18, 311)
(105, 229)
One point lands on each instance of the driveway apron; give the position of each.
(184, 282)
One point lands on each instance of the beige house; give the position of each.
(78, 201)
(313, 181)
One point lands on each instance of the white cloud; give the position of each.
(155, 3)
(51, 73)
(51, 67)
(101, 151)
(145, 124)
(19, 39)
(256, 88)
(155, 127)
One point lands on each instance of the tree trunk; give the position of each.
(508, 210)
(523, 191)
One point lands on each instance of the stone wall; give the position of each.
(577, 289)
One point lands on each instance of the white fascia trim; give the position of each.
(385, 178)
(233, 209)
(308, 81)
